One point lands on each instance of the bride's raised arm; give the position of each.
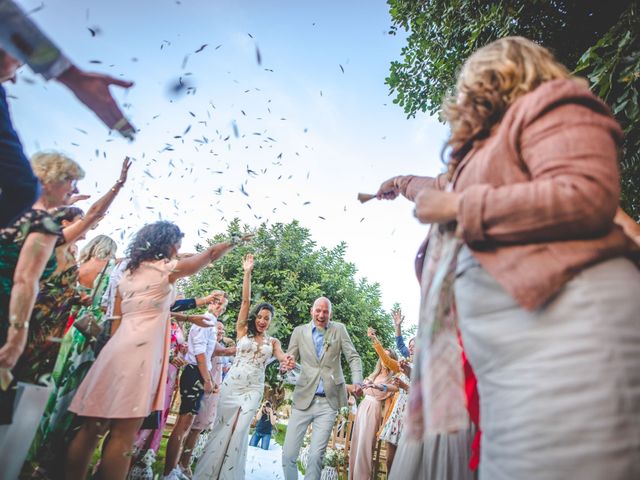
(243, 315)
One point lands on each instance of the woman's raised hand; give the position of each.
(126, 163)
(398, 318)
(371, 333)
(247, 262)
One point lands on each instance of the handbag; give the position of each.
(87, 323)
(103, 337)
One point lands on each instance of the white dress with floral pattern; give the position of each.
(241, 392)
(393, 428)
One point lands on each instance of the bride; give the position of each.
(225, 453)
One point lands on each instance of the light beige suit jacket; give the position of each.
(327, 367)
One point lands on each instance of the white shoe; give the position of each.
(186, 474)
(174, 474)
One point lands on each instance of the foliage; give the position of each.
(612, 66)
(599, 39)
(290, 272)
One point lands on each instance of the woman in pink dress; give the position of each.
(128, 380)
(147, 438)
(378, 388)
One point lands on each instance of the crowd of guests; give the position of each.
(58, 303)
(528, 328)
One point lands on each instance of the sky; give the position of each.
(295, 136)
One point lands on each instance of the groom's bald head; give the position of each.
(321, 312)
(323, 299)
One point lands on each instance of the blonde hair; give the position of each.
(101, 247)
(378, 368)
(52, 167)
(491, 80)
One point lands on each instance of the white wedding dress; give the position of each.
(225, 454)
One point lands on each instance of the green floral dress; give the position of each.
(74, 361)
(11, 241)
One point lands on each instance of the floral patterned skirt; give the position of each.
(392, 429)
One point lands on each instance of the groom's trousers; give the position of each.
(322, 417)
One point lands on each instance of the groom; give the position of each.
(320, 390)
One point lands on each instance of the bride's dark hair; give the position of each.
(251, 323)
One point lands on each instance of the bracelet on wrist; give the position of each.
(19, 325)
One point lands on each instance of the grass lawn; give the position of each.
(157, 467)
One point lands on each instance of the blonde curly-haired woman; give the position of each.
(547, 296)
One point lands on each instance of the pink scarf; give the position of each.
(437, 401)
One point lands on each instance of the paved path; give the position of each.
(265, 464)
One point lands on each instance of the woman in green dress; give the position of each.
(75, 358)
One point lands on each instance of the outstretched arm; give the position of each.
(386, 360)
(242, 325)
(24, 40)
(199, 320)
(398, 318)
(287, 361)
(98, 209)
(190, 303)
(194, 263)
(183, 304)
(409, 186)
(221, 351)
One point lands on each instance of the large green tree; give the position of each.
(290, 272)
(598, 39)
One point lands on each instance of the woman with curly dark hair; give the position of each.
(127, 381)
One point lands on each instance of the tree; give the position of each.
(290, 272)
(599, 40)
